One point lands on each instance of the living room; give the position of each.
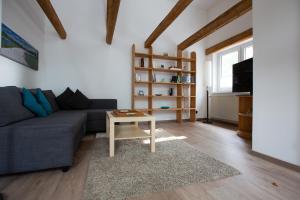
(151, 112)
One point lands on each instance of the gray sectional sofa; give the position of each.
(29, 143)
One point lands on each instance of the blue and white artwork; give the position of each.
(17, 49)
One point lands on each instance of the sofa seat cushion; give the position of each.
(11, 106)
(58, 119)
(41, 143)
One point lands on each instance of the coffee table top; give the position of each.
(146, 117)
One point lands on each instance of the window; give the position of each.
(248, 52)
(225, 60)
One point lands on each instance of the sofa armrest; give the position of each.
(103, 104)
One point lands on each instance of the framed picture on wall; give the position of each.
(14, 47)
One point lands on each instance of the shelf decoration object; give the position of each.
(142, 62)
(141, 93)
(171, 91)
(178, 83)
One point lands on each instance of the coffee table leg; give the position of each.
(107, 126)
(152, 142)
(111, 139)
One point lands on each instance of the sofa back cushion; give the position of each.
(30, 102)
(79, 101)
(108, 104)
(51, 99)
(42, 99)
(11, 106)
(63, 100)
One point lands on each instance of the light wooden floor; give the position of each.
(260, 179)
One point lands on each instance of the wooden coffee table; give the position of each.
(127, 132)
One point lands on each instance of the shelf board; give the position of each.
(166, 70)
(166, 83)
(140, 97)
(188, 108)
(189, 97)
(142, 68)
(188, 84)
(187, 59)
(165, 96)
(157, 83)
(125, 132)
(163, 70)
(154, 96)
(169, 109)
(142, 82)
(171, 71)
(162, 57)
(245, 115)
(142, 55)
(161, 109)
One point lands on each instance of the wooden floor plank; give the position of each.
(260, 179)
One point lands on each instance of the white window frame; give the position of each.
(217, 63)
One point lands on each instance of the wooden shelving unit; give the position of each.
(245, 117)
(150, 84)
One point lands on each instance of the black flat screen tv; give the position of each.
(243, 76)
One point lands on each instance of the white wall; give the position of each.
(276, 114)
(25, 18)
(86, 62)
(237, 26)
(225, 107)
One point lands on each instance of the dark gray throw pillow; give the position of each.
(79, 101)
(51, 98)
(63, 100)
(11, 106)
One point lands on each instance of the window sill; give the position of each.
(218, 94)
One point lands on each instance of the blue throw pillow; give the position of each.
(31, 103)
(43, 101)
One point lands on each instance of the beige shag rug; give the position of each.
(135, 171)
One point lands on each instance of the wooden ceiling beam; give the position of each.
(53, 18)
(172, 15)
(233, 40)
(234, 12)
(111, 19)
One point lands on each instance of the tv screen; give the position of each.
(243, 76)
